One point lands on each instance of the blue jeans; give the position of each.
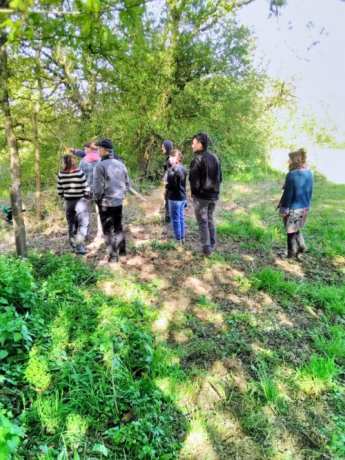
(176, 209)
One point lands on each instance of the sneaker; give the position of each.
(113, 260)
(81, 250)
(183, 240)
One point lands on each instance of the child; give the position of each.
(73, 187)
(295, 202)
(176, 186)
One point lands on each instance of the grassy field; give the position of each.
(175, 356)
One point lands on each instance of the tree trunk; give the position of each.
(37, 170)
(16, 187)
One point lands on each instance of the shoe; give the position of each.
(113, 260)
(183, 240)
(207, 251)
(81, 250)
(289, 255)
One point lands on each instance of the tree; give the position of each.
(16, 186)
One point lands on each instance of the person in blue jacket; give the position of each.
(295, 203)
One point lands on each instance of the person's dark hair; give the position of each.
(88, 144)
(176, 153)
(204, 140)
(69, 162)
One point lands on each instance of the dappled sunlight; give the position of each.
(198, 445)
(295, 268)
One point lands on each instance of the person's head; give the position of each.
(167, 147)
(104, 147)
(176, 157)
(88, 147)
(201, 141)
(69, 162)
(297, 158)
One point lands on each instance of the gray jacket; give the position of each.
(110, 182)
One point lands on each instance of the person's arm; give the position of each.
(194, 177)
(83, 182)
(286, 199)
(79, 153)
(221, 173)
(98, 183)
(59, 187)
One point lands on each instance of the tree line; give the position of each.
(137, 72)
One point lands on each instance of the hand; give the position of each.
(71, 150)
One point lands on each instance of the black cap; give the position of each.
(105, 143)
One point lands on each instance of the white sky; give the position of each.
(282, 44)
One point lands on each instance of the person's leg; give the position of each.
(301, 243)
(120, 241)
(292, 244)
(71, 220)
(212, 223)
(83, 220)
(166, 207)
(89, 208)
(107, 219)
(182, 226)
(201, 215)
(174, 209)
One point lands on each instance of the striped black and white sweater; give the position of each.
(72, 184)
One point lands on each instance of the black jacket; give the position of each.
(205, 176)
(176, 186)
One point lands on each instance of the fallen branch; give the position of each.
(137, 194)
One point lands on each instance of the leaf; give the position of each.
(17, 336)
(76, 456)
(100, 448)
(3, 354)
(3, 301)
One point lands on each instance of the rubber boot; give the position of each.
(301, 244)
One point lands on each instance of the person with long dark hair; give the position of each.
(295, 203)
(72, 186)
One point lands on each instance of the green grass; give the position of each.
(250, 364)
(330, 342)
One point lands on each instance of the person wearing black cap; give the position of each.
(167, 147)
(110, 185)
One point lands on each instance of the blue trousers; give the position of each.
(176, 210)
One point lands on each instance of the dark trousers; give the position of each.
(111, 220)
(166, 206)
(292, 240)
(78, 218)
(205, 217)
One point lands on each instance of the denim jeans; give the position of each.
(176, 209)
(205, 217)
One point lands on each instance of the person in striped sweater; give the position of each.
(72, 186)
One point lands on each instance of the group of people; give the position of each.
(102, 180)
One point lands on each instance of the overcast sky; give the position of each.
(287, 46)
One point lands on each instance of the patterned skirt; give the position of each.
(295, 219)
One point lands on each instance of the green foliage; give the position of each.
(10, 434)
(330, 342)
(317, 375)
(90, 367)
(331, 297)
(274, 281)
